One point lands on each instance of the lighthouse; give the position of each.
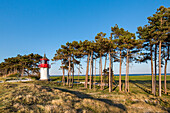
(44, 68)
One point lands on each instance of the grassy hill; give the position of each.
(52, 97)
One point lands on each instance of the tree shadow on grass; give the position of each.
(143, 84)
(86, 96)
(145, 90)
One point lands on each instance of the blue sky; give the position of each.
(42, 26)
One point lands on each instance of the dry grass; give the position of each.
(32, 98)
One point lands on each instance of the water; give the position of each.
(115, 75)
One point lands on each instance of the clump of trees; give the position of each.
(156, 37)
(121, 46)
(26, 64)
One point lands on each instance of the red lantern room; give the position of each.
(44, 62)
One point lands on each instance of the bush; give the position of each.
(35, 77)
(14, 75)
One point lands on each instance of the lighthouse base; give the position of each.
(44, 74)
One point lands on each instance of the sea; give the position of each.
(115, 75)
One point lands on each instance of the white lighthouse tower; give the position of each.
(44, 68)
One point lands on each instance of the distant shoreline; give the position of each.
(115, 75)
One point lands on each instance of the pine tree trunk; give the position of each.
(78, 74)
(165, 71)
(73, 75)
(112, 69)
(90, 84)
(152, 70)
(87, 71)
(126, 78)
(105, 62)
(165, 77)
(110, 73)
(128, 75)
(155, 68)
(160, 68)
(69, 71)
(68, 78)
(15, 70)
(22, 72)
(101, 71)
(95, 75)
(105, 74)
(63, 79)
(92, 72)
(120, 89)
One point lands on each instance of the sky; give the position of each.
(42, 26)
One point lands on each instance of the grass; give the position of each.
(145, 77)
(35, 98)
(11, 78)
(52, 96)
(143, 80)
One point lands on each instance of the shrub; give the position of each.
(35, 77)
(14, 75)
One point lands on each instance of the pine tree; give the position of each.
(117, 32)
(100, 42)
(146, 36)
(159, 25)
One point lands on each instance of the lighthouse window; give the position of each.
(43, 62)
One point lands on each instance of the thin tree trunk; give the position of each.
(92, 71)
(90, 84)
(165, 77)
(73, 75)
(95, 75)
(128, 75)
(126, 78)
(110, 73)
(22, 72)
(155, 68)
(105, 74)
(87, 70)
(101, 72)
(6, 73)
(69, 71)
(68, 77)
(99, 69)
(165, 71)
(120, 89)
(112, 66)
(105, 62)
(15, 70)
(152, 70)
(63, 79)
(78, 73)
(160, 68)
